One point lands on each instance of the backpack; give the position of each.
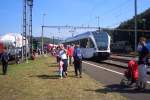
(78, 54)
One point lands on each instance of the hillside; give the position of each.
(46, 40)
(143, 23)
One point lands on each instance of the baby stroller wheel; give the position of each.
(126, 82)
(123, 82)
(136, 84)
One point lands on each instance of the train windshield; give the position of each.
(101, 39)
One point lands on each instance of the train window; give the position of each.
(101, 40)
(83, 43)
(76, 42)
(90, 44)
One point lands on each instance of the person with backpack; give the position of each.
(4, 60)
(77, 55)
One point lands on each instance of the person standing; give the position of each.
(77, 55)
(63, 56)
(4, 60)
(70, 54)
(60, 65)
(143, 63)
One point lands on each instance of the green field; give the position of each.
(38, 80)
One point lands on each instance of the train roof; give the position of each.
(81, 36)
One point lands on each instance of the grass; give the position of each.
(38, 80)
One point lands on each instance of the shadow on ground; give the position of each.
(53, 64)
(57, 71)
(47, 76)
(120, 89)
(2, 74)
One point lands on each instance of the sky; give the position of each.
(68, 12)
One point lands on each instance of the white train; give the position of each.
(94, 44)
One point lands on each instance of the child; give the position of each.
(61, 68)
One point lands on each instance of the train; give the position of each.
(13, 44)
(93, 44)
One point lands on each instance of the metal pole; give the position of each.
(44, 14)
(144, 20)
(98, 22)
(31, 32)
(22, 47)
(42, 39)
(30, 26)
(26, 59)
(135, 25)
(144, 26)
(24, 28)
(53, 40)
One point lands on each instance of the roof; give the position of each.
(79, 36)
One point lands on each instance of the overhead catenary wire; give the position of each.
(124, 6)
(84, 27)
(121, 6)
(118, 14)
(93, 10)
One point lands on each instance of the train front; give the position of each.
(102, 42)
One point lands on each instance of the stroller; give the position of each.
(131, 74)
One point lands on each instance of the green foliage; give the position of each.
(143, 18)
(46, 40)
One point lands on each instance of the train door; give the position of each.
(87, 47)
(83, 43)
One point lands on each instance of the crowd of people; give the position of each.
(66, 55)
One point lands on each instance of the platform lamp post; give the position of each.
(24, 28)
(135, 24)
(98, 22)
(144, 23)
(30, 4)
(42, 41)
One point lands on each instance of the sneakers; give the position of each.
(4, 73)
(66, 73)
(61, 77)
(80, 76)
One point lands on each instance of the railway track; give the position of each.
(110, 76)
(120, 61)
